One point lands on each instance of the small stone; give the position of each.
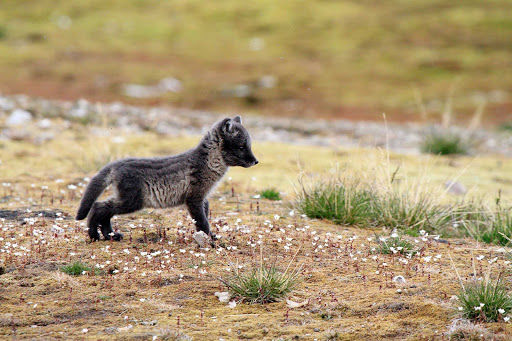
(316, 330)
(223, 296)
(149, 323)
(18, 117)
(201, 238)
(45, 123)
(6, 104)
(399, 279)
(454, 187)
(80, 109)
(110, 330)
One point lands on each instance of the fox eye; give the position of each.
(242, 147)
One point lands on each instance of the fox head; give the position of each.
(236, 143)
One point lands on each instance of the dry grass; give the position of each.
(147, 286)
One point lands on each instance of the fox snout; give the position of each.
(253, 163)
(250, 160)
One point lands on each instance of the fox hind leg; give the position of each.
(99, 217)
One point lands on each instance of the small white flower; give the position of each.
(85, 330)
(506, 318)
(460, 308)
(232, 304)
(501, 311)
(276, 217)
(480, 257)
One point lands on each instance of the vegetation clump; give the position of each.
(262, 284)
(76, 269)
(444, 143)
(363, 204)
(485, 301)
(270, 194)
(339, 202)
(491, 226)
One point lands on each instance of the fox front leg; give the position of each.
(197, 209)
(206, 205)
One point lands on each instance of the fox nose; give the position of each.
(256, 162)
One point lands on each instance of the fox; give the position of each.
(163, 182)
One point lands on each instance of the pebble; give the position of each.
(454, 187)
(18, 117)
(399, 279)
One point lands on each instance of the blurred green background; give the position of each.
(330, 59)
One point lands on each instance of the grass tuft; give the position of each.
(364, 204)
(506, 127)
(491, 226)
(411, 209)
(75, 269)
(262, 284)
(339, 201)
(485, 301)
(444, 143)
(270, 194)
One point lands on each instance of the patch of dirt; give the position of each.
(20, 215)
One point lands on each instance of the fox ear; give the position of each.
(227, 126)
(238, 119)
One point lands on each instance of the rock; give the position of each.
(44, 123)
(6, 104)
(454, 187)
(18, 117)
(125, 329)
(110, 330)
(170, 85)
(399, 279)
(267, 82)
(149, 323)
(292, 304)
(223, 296)
(201, 238)
(80, 109)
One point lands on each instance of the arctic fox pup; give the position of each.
(160, 182)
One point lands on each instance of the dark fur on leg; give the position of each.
(196, 208)
(101, 213)
(93, 222)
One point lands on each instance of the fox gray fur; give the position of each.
(160, 182)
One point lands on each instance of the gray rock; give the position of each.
(149, 323)
(6, 104)
(18, 117)
(170, 84)
(454, 187)
(399, 279)
(44, 123)
(110, 330)
(80, 109)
